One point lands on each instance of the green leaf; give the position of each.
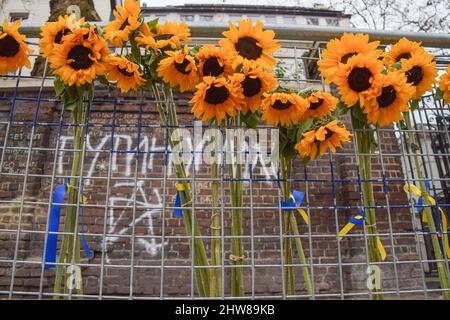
(103, 80)
(342, 107)
(152, 24)
(358, 113)
(306, 125)
(251, 120)
(414, 105)
(70, 106)
(289, 151)
(59, 86)
(397, 65)
(402, 125)
(439, 95)
(135, 51)
(90, 91)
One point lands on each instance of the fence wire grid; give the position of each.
(140, 251)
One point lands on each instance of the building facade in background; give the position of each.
(38, 11)
(271, 15)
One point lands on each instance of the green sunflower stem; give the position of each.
(442, 270)
(364, 141)
(71, 237)
(237, 248)
(216, 243)
(290, 226)
(192, 229)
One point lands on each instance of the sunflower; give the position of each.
(253, 82)
(307, 147)
(127, 20)
(52, 33)
(281, 108)
(125, 72)
(338, 52)
(358, 78)
(393, 100)
(321, 104)
(403, 49)
(215, 98)
(81, 57)
(168, 35)
(212, 62)
(249, 43)
(444, 84)
(13, 50)
(179, 69)
(420, 71)
(330, 135)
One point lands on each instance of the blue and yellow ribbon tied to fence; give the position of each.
(53, 224)
(178, 207)
(294, 203)
(359, 220)
(420, 207)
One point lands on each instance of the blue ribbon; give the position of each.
(178, 211)
(357, 221)
(292, 204)
(53, 226)
(420, 199)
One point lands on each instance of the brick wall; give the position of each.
(114, 227)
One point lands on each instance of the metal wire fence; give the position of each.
(140, 251)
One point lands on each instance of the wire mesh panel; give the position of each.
(141, 251)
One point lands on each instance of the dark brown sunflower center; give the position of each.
(8, 46)
(329, 134)
(163, 37)
(279, 105)
(405, 55)
(125, 72)
(387, 97)
(124, 24)
(60, 35)
(80, 56)
(211, 67)
(415, 75)
(359, 79)
(316, 105)
(181, 67)
(251, 86)
(217, 95)
(248, 48)
(345, 58)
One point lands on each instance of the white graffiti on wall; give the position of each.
(120, 212)
(135, 202)
(121, 151)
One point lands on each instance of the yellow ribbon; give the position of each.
(302, 212)
(419, 193)
(349, 226)
(82, 200)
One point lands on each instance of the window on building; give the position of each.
(312, 21)
(254, 17)
(270, 19)
(187, 17)
(332, 22)
(13, 16)
(289, 19)
(160, 17)
(206, 17)
(235, 17)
